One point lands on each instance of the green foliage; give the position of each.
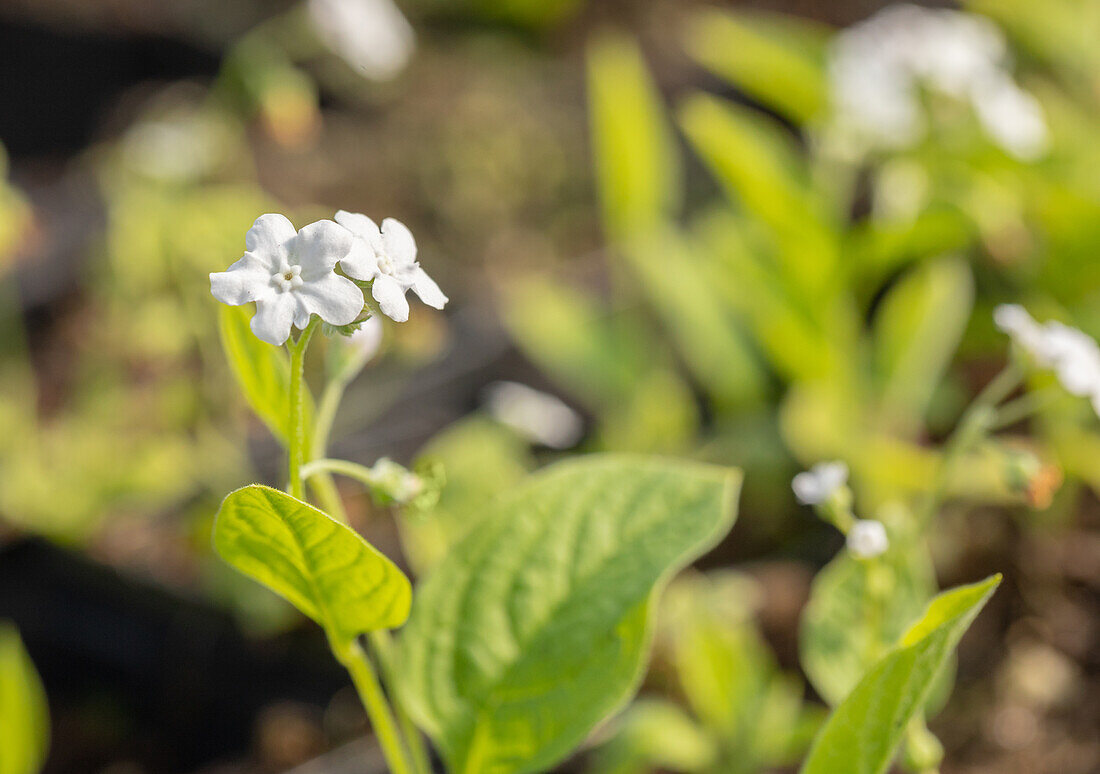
(325, 569)
(479, 458)
(637, 164)
(863, 733)
(916, 331)
(24, 714)
(262, 371)
(856, 611)
(709, 336)
(777, 59)
(655, 733)
(536, 626)
(613, 362)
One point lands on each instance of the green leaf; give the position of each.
(537, 626)
(760, 168)
(838, 641)
(324, 568)
(637, 162)
(261, 369)
(654, 733)
(862, 735)
(479, 459)
(24, 714)
(916, 331)
(774, 58)
(707, 334)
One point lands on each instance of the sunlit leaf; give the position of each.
(24, 715)
(761, 169)
(708, 335)
(776, 59)
(838, 639)
(536, 627)
(863, 733)
(637, 161)
(324, 568)
(479, 459)
(261, 369)
(656, 733)
(916, 331)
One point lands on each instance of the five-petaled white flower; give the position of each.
(818, 484)
(289, 274)
(1073, 355)
(387, 256)
(867, 539)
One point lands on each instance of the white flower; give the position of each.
(538, 416)
(388, 257)
(1073, 355)
(372, 36)
(819, 483)
(876, 69)
(290, 276)
(368, 339)
(1014, 320)
(867, 539)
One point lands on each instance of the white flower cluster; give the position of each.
(818, 484)
(291, 274)
(877, 67)
(1073, 355)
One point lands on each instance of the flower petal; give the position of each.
(361, 261)
(273, 317)
(429, 292)
(399, 243)
(268, 237)
(361, 226)
(335, 299)
(318, 247)
(246, 280)
(390, 296)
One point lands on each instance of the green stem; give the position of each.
(366, 683)
(1023, 407)
(383, 648)
(297, 440)
(975, 422)
(353, 470)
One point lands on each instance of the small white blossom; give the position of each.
(368, 339)
(876, 69)
(289, 274)
(536, 415)
(372, 36)
(1073, 355)
(818, 484)
(867, 539)
(387, 256)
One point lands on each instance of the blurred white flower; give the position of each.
(289, 274)
(387, 256)
(368, 339)
(538, 416)
(1073, 355)
(876, 69)
(867, 539)
(372, 36)
(175, 147)
(818, 484)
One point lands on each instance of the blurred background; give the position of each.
(758, 233)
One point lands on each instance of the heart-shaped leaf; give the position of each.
(324, 568)
(863, 733)
(536, 626)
